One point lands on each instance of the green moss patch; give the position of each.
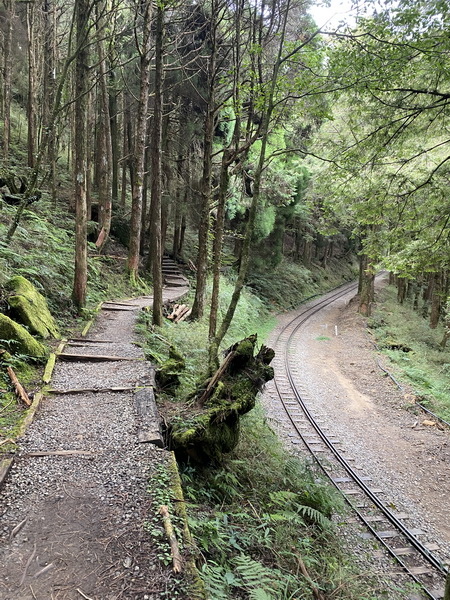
(214, 429)
(30, 308)
(21, 341)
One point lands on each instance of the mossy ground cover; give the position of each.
(414, 350)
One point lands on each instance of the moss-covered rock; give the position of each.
(167, 376)
(23, 342)
(30, 308)
(214, 429)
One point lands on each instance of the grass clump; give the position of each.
(414, 351)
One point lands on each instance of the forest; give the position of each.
(242, 121)
(270, 156)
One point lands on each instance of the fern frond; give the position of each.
(260, 594)
(315, 516)
(254, 574)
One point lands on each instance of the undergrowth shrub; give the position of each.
(288, 284)
(425, 366)
(259, 516)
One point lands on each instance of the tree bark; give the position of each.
(198, 306)
(436, 301)
(7, 73)
(140, 136)
(156, 172)
(32, 80)
(81, 90)
(104, 135)
(366, 285)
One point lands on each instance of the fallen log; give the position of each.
(177, 310)
(91, 390)
(61, 453)
(215, 378)
(213, 427)
(85, 341)
(118, 308)
(184, 316)
(18, 387)
(177, 561)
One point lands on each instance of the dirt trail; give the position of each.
(72, 521)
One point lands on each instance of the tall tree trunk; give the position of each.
(32, 82)
(81, 89)
(114, 128)
(140, 136)
(48, 139)
(366, 285)
(218, 242)
(198, 306)
(7, 74)
(156, 172)
(436, 300)
(104, 135)
(401, 290)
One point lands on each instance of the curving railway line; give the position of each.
(420, 561)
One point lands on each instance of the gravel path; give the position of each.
(375, 423)
(72, 522)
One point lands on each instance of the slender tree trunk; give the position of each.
(81, 89)
(218, 242)
(436, 301)
(48, 139)
(140, 135)
(32, 80)
(156, 173)
(104, 157)
(366, 283)
(114, 128)
(205, 189)
(7, 73)
(401, 290)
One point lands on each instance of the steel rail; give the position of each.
(298, 321)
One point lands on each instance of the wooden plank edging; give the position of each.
(5, 467)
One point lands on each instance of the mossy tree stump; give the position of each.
(220, 401)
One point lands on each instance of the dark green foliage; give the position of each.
(168, 373)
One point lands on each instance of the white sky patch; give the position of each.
(330, 17)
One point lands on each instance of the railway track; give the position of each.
(418, 560)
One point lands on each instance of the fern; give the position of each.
(215, 580)
(254, 575)
(260, 594)
(315, 516)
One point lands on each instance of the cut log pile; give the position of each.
(179, 313)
